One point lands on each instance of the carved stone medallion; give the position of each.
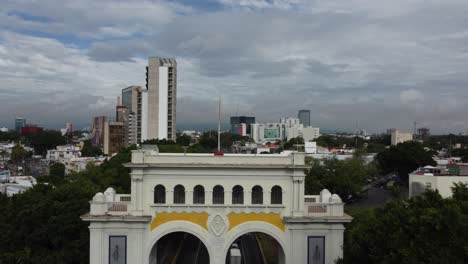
(218, 225)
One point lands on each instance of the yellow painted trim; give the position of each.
(196, 218)
(272, 218)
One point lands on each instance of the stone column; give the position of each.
(209, 196)
(267, 197)
(137, 191)
(189, 196)
(137, 194)
(298, 195)
(227, 196)
(247, 197)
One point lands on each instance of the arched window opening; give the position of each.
(198, 195)
(237, 195)
(257, 195)
(179, 194)
(159, 194)
(218, 194)
(276, 195)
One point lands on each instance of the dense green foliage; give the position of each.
(57, 169)
(18, 153)
(294, 144)
(209, 140)
(404, 158)
(169, 146)
(45, 140)
(343, 177)
(425, 229)
(89, 150)
(334, 141)
(375, 144)
(183, 140)
(463, 153)
(10, 136)
(445, 141)
(43, 224)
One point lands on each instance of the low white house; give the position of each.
(216, 209)
(441, 178)
(18, 184)
(80, 163)
(63, 153)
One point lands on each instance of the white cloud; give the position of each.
(90, 18)
(382, 63)
(44, 72)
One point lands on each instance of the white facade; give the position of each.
(79, 164)
(310, 147)
(287, 129)
(16, 185)
(310, 133)
(398, 137)
(161, 103)
(144, 115)
(435, 178)
(292, 220)
(162, 113)
(63, 153)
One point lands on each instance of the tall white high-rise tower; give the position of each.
(161, 82)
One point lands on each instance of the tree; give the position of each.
(404, 158)
(183, 139)
(10, 136)
(343, 177)
(89, 150)
(197, 148)
(43, 225)
(209, 140)
(425, 229)
(293, 142)
(45, 140)
(57, 169)
(462, 153)
(18, 153)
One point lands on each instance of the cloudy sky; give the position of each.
(380, 63)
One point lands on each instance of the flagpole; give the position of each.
(219, 125)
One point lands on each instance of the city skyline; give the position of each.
(383, 65)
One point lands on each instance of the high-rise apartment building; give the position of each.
(19, 123)
(397, 137)
(304, 117)
(161, 83)
(423, 133)
(241, 125)
(132, 100)
(97, 133)
(114, 137)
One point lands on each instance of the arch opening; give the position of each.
(218, 194)
(237, 195)
(276, 195)
(257, 195)
(179, 248)
(179, 194)
(159, 194)
(198, 195)
(255, 248)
